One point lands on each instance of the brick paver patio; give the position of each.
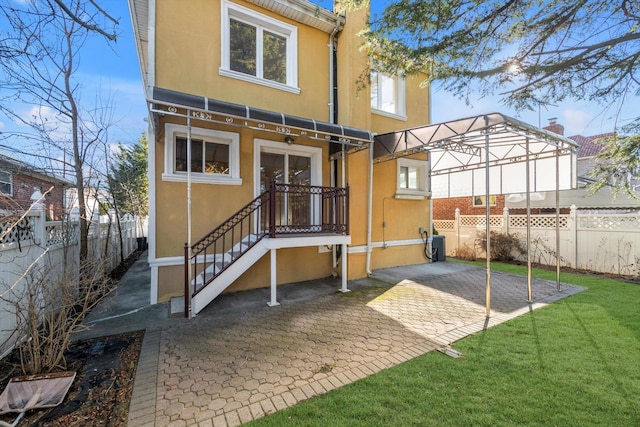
(227, 370)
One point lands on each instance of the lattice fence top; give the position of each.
(480, 221)
(538, 221)
(15, 231)
(609, 222)
(61, 233)
(444, 224)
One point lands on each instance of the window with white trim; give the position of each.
(412, 178)
(258, 48)
(387, 94)
(6, 183)
(215, 155)
(481, 200)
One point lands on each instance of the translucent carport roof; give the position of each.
(459, 149)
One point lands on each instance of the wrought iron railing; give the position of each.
(282, 210)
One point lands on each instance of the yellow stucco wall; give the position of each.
(188, 60)
(293, 265)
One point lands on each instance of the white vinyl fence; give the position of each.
(605, 243)
(54, 246)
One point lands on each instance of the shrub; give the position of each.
(504, 246)
(465, 252)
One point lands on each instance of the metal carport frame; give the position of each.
(460, 150)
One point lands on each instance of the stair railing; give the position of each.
(284, 209)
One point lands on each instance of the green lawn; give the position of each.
(573, 363)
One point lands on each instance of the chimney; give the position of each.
(554, 126)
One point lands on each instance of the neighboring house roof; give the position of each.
(589, 146)
(15, 165)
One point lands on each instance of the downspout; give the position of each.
(333, 71)
(369, 211)
(333, 115)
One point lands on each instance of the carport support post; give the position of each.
(558, 218)
(274, 302)
(343, 260)
(487, 224)
(527, 183)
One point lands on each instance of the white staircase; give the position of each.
(237, 260)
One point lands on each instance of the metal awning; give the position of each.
(168, 102)
(461, 150)
(489, 154)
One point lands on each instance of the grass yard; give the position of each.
(573, 363)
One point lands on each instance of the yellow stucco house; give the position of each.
(260, 154)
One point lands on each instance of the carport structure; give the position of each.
(484, 155)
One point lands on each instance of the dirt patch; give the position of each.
(101, 392)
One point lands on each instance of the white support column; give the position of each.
(343, 260)
(274, 302)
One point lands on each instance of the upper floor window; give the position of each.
(258, 48)
(481, 200)
(387, 94)
(6, 186)
(215, 155)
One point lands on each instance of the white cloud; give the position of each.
(575, 121)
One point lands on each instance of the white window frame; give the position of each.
(315, 153)
(400, 101)
(422, 168)
(231, 139)
(264, 145)
(10, 182)
(261, 22)
(493, 200)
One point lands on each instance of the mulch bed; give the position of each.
(101, 391)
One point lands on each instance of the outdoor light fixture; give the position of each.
(288, 139)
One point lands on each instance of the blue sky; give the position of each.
(113, 71)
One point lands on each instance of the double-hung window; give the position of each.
(6, 186)
(387, 94)
(412, 179)
(258, 48)
(214, 155)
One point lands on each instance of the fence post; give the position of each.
(505, 220)
(572, 224)
(39, 226)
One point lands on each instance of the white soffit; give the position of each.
(458, 152)
(304, 12)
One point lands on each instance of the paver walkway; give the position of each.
(224, 370)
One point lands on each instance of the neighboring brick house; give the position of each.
(19, 180)
(446, 208)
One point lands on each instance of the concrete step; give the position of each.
(176, 307)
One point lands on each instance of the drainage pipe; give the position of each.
(369, 211)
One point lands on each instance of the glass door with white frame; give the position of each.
(295, 208)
